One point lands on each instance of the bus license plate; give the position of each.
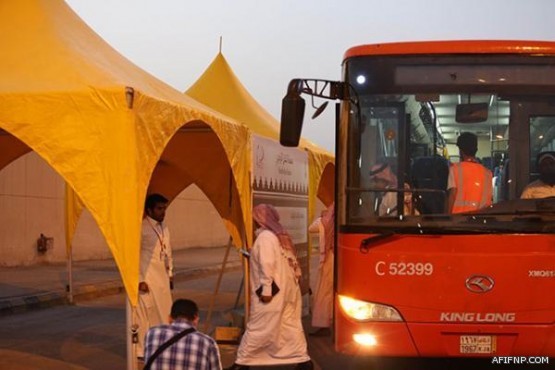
(477, 344)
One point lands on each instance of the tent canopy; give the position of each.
(97, 119)
(196, 155)
(220, 89)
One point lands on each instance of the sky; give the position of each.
(269, 42)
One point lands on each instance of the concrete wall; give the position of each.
(32, 202)
(194, 222)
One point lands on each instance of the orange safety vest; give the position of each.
(474, 186)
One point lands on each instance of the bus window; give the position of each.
(406, 146)
(542, 141)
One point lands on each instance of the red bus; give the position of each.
(411, 278)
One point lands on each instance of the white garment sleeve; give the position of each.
(268, 246)
(143, 260)
(322, 242)
(315, 225)
(451, 179)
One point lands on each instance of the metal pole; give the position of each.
(69, 287)
(130, 331)
(217, 287)
(246, 285)
(238, 297)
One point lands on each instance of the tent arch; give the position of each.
(12, 148)
(196, 155)
(97, 119)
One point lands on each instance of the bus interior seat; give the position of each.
(488, 163)
(430, 173)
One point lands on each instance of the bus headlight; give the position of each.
(365, 339)
(366, 311)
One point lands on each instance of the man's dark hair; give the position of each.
(468, 143)
(184, 308)
(544, 155)
(153, 199)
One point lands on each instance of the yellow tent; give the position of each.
(196, 155)
(220, 89)
(98, 120)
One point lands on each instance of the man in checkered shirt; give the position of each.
(195, 351)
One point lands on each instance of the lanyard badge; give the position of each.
(160, 236)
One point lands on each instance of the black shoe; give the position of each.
(237, 367)
(308, 365)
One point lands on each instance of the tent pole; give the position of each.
(69, 287)
(239, 293)
(246, 283)
(246, 279)
(130, 331)
(217, 287)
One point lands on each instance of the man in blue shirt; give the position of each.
(195, 350)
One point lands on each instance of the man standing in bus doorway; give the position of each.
(274, 334)
(544, 187)
(323, 295)
(469, 186)
(156, 269)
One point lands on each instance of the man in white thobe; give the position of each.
(156, 269)
(274, 334)
(322, 304)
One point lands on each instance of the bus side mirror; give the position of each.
(292, 114)
(472, 112)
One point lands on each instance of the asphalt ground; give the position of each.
(45, 285)
(29, 290)
(98, 293)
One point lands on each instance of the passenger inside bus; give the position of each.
(543, 187)
(383, 177)
(469, 186)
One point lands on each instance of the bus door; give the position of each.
(382, 165)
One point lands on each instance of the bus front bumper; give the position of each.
(402, 339)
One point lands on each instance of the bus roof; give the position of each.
(453, 47)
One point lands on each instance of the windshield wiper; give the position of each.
(367, 243)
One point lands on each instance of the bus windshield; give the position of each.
(399, 139)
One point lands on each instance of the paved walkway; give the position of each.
(25, 288)
(42, 286)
